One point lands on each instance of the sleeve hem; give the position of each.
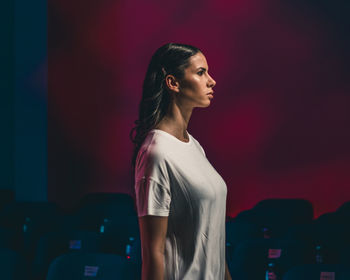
(149, 178)
(155, 212)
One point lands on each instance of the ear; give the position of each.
(172, 83)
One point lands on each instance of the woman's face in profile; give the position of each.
(196, 87)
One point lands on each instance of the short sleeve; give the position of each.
(152, 187)
(152, 198)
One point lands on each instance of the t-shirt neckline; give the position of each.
(173, 137)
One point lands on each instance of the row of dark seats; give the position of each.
(71, 266)
(276, 237)
(280, 239)
(100, 238)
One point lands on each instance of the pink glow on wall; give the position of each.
(277, 127)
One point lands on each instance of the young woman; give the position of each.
(180, 198)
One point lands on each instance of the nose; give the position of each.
(211, 82)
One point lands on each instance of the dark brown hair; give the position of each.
(171, 58)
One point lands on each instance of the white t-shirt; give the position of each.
(175, 179)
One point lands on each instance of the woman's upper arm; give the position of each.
(153, 231)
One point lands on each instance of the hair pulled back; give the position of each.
(171, 58)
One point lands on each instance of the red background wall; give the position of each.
(277, 127)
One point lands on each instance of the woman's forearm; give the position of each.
(153, 267)
(227, 272)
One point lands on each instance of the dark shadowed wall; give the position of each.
(7, 95)
(30, 104)
(277, 127)
(23, 98)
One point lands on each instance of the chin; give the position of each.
(204, 104)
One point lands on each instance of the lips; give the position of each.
(212, 93)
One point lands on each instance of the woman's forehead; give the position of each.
(198, 60)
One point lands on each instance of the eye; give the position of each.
(200, 73)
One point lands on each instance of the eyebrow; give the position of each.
(202, 68)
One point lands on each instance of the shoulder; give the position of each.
(154, 148)
(157, 145)
(152, 160)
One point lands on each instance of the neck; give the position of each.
(176, 120)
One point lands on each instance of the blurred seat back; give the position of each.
(30, 220)
(96, 209)
(7, 196)
(124, 201)
(10, 239)
(95, 266)
(237, 232)
(12, 265)
(318, 272)
(54, 244)
(277, 215)
(291, 211)
(251, 258)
